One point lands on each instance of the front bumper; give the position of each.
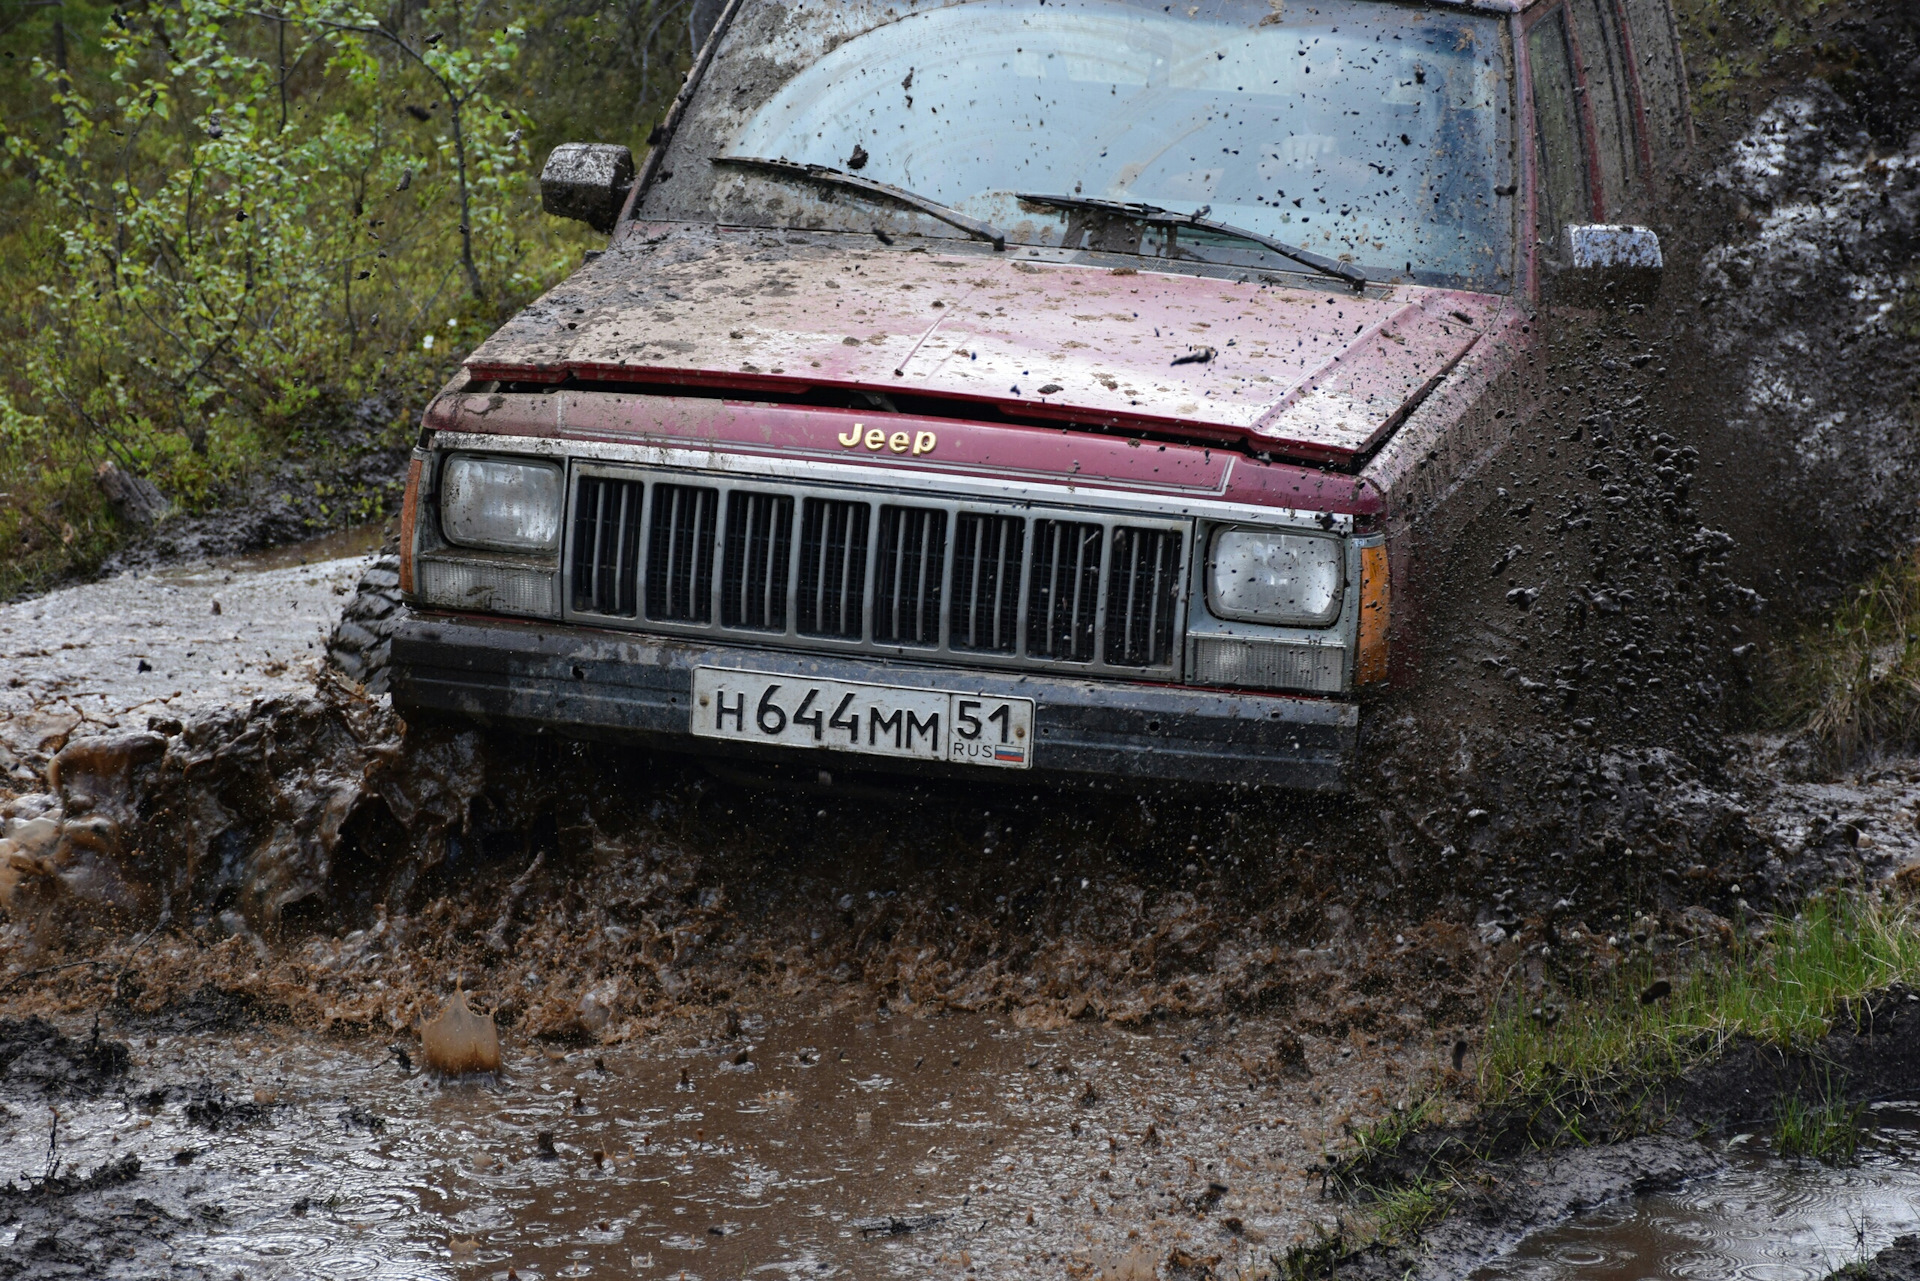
(591, 683)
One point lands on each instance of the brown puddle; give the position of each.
(1762, 1219)
(830, 1144)
(359, 540)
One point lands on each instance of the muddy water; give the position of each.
(826, 1144)
(1761, 1220)
(168, 643)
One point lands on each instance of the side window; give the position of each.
(1663, 78)
(1608, 82)
(1560, 163)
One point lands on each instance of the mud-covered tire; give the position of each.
(364, 635)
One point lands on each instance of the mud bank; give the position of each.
(353, 474)
(1504, 1188)
(1815, 304)
(1898, 1262)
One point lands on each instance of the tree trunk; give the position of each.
(466, 222)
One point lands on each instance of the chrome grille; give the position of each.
(833, 567)
(906, 581)
(1063, 591)
(987, 556)
(836, 568)
(1142, 581)
(606, 546)
(754, 564)
(680, 554)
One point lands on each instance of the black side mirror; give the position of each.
(587, 181)
(1605, 263)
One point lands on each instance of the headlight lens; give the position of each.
(504, 504)
(1266, 576)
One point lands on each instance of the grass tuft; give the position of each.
(1383, 1137)
(1782, 988)
(1401, 1214)
(1828, 1129)
(1854, 680)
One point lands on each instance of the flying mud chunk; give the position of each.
(458, 1041)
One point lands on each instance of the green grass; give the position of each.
(1783, 989)
(1394, 1216)
(1596, 1072)
(1828, 1129)
(1401, 1214)
(1385, 1135)
(1854, 680)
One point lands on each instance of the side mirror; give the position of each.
(586, 181)
(1608, 263)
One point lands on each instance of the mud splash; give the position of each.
(329, 814)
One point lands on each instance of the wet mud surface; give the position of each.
(834, 1140)
(1898, 1262)
(1759, 1217)
(166, 643)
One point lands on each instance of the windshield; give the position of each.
(1368, 132)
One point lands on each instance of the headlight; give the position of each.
(1265, 576)
(504, 504)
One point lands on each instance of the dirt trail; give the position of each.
(263, 900)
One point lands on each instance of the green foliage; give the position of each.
(1828, 1128)
(1854, 680)
(226, 224)
(1782, 987)
(1729, 46)
(210, 231)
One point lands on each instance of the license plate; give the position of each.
(851, 716)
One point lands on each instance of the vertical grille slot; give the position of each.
(606, 546)
(986, 582)
(680, 534)
(833, 567)
(1063, 593)
(907, 575)
(1143, 568)
(754, 562)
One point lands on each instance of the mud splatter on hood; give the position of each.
(1314, 373)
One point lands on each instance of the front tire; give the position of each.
(361, 640)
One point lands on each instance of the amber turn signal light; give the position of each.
(1371, 666)
(409, 514)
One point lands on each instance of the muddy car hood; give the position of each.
(1316, 374)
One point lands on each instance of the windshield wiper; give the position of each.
(852, 182)
(1154, 215)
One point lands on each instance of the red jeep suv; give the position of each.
(1085, 387)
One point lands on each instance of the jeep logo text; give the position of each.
(921, 442)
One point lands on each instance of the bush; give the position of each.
(231, 226)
